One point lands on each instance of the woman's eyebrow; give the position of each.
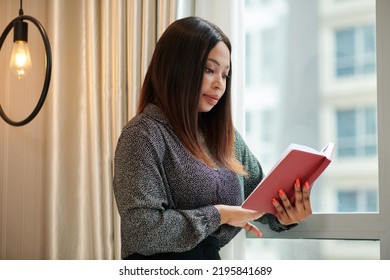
(217, 63)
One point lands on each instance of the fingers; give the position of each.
(306, 198)
(249, 227)
(289, 213)
(298, 196)
(236, 215)
(283, 215)
(252, 229)
(285, 200)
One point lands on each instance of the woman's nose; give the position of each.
(218, 82)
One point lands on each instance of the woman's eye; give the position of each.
(209, 70)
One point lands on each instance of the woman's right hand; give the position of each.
(239, 217)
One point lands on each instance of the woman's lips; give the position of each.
(213, 100)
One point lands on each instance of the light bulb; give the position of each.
(20, 59)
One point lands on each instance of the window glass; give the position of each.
(355, 50)
(356, 132)
(345, 52)
(310, 80)
(350, 201)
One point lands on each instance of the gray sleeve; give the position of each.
(250, 163)
(149, 223)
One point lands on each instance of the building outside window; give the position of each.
(356, 132)
(355, 50)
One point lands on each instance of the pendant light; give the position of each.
(20, 62)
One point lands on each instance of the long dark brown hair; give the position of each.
(173, 82)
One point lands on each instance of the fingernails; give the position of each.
(297, 183)
(259, 234)
(307, 186)
(282, 194)
(275, 201)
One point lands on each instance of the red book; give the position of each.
(297, 162)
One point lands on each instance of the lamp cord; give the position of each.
(21, 8)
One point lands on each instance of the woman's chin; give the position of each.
(205, 109)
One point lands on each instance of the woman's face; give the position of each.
(214, 77)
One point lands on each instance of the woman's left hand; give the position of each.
(292, 214)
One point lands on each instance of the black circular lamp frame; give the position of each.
(48, 69)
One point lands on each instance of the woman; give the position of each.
(181, 169)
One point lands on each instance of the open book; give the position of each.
(297, 161)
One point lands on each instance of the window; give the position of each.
(302, 100)
(355, 51)
(357, 201)
(296, 102)
(252, 68)
(356, 132)
(350, 199)
(260, 58)
(268, 54)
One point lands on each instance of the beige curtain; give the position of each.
(56, 199)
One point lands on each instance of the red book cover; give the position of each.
(297, 162)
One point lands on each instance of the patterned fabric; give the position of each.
(165, 196)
